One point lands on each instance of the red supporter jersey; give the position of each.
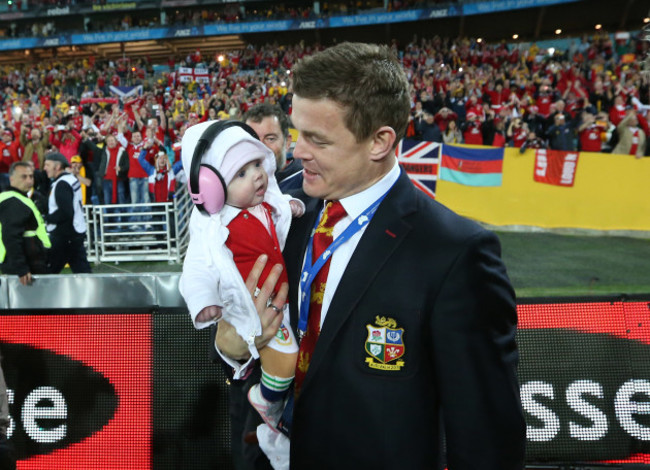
(473, 134)
(616, 114)
(499, 140)
(111, 171)
(45, 101)
(8, 155)
(590, 139)
(135, 169)
(544, 105)
(518, 137)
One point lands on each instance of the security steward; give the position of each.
(66, 223)
(24, 237)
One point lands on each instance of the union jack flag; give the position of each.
(420, 160)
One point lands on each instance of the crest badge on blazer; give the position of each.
(385, 344)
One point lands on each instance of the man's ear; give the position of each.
(382, 143)
(288, 140)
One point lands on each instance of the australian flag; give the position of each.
(420, 160)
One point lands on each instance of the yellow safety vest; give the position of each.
(40, 231)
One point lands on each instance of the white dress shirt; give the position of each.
(354, 206)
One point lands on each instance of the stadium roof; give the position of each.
(491, 20)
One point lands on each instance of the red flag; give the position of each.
(555, 167)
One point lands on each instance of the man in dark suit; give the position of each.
(272, 125)
(409, 337)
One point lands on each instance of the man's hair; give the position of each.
(366, 79)
(14, 165)
(260, 111)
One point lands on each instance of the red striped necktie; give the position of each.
(322, 239)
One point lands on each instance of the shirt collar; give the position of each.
(357, 203)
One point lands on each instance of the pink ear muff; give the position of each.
(212, 192)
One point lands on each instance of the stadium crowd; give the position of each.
(193, 16)
(590, 97)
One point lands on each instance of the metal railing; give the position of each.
(139, 232)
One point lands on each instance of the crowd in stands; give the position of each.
(195, 16)
(590, 98)
(27, 4)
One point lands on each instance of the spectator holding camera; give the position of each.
(472, 129)
(562, 134)
(592, 130)
(517, 133)
(444, 117)
(534, 120)
(66, 139)
(35, 144)
(493, 130)
(533, 141)
(426, 128)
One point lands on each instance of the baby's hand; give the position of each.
(297, 208)
(210, 313)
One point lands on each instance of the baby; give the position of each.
(224, 247)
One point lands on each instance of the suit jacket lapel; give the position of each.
(301, 230)
(382, 237)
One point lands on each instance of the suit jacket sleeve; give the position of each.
(475, 358)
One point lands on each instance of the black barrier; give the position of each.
(585, 379)
(113, 391)
(191, 428)
(120, 389)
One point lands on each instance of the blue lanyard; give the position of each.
(310, 270)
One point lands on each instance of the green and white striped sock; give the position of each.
(274, 388)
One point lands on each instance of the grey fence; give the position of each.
(139, 232)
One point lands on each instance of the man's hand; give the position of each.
(270, 312)
(26, 280)
(228, 341)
